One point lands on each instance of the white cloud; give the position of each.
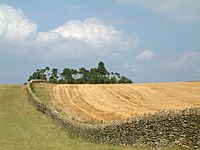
(77, 37)
(145, 55)
(14, 24)
(48, 37)
(74, 38)
(177, 10)
(93, 31)
(185, 60)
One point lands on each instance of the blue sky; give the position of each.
(148, 41)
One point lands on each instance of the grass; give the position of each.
(23, 127)
(42, 91)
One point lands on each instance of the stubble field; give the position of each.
(100, 103)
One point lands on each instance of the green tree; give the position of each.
(106, 80)
(113, 80)
(102, 69)
(98, 75)
(44, 73)
(39, 74)
(67, 75)
(54, 76)
(47, 69)
(93, 76)
(124, 79)
(102, 72)
(74, 75)
(83, 75)
(117, 75)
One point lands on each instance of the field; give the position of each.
(22, 127)
(100, 103)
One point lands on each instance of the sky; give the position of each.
(145, 40)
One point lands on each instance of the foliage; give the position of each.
(40, 74)
(98, 75)
(124, 79)
(54, 76)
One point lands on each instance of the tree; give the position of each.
(102, 72)
(117, 75)
(84, 75)
(47, 72)
(106, 80)
(39, 74)
(98, 75)
(101, 69)
(123, 79)
(67, 75)
(54, 76)
(44, 73)
(113, 80)
(74, 74)
(93, 76)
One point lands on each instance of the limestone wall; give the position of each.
(178, 127)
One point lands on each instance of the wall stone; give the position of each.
(177, 127)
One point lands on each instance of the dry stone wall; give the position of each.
(178, 127)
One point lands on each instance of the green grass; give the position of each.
(42, 91)
(24, 128)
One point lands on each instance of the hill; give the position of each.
(23, 127)
(97, 103)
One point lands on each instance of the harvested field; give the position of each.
(120, 101)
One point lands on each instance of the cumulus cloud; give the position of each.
(91, 34)
(87, 36)
(74, 38)
(92, 31)
(14, 24)
(178, 10)
(145, 55)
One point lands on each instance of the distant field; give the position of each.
(96, 103)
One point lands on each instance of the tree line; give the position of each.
(98, 75)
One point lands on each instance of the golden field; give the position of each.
(108, 102)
